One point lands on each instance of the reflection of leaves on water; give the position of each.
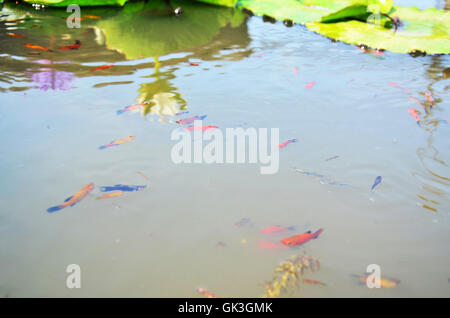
(162, 104)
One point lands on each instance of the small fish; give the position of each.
(102, 67)
(71, 47)
(284, 144)
(221, 244)
(331, 158)
(332, 182)
(190, 120)
(376, 182)
(429, 98)
(377, 52)
(74, 199)
(301, 238)
(202, 128)
(182, 113)
(88, 16)
(415, 114)
(313, 282)
(37, 47)
(311, 174)
(399, 86)
(16, 35)
(310, 85)
(206, 293)
(277, 229)
(142, 175)
(123, 187)
(193, 64)
(117, 142)
(270, 245)
(134, 107)
(110, 195)
(296, 69)
(242, 222)
(260, 54)
(385, 282)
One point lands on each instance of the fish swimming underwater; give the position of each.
(202, 128)
(37, 47)
(71, 47)
(110, 195)
(376, 182)
(188, 121)
(301, 238)
(310, 85)
(287, 142)
(133, 107)
(313, 282)
(117, 142)
(277, 229)
(16, 35)
(102, 67)
(270, 245)
(206, 293)
(384, 282)
(71, 201)
(123, 187)
(415, 114)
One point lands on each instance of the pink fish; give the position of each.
(310, 84)
(271, 245)
(202, 128)
(284, 144)
(399, 86)
(429, 97)
(414, 113)
(296, 69)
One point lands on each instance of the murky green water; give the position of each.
(161, 242)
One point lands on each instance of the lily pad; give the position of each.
(65, 3)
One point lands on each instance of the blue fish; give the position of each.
(123, 187)
(377, 182)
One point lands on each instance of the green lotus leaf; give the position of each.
(424, 31)
(65, 3)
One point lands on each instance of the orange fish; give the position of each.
(193, 64)
(117, 142)
(310, 84)
(16, 35)
(91, 16)
(414, 113)
(301, 238)
(71, 201)
(313, 282)
(284, 144)
(71, 47)
(399, 86)
(270, 245)
(37, 47)
(110, 195)
(384, 282)
(102, 67)
(142, 175)
(206, 293)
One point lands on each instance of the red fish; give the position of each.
(71, 201)
(71, 47)
(399, 86)
(193, 64)
(102, 67)
(190, 120)
(16, 35)
(414, 113)
(301, 238)
(202, 128)
(284, 144)
(377, 52)
(313, 282)
(206, 293)
(310, 84)
(37, 47)
(276, 229)
(270, 245)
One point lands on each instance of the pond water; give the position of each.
(55, 112)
